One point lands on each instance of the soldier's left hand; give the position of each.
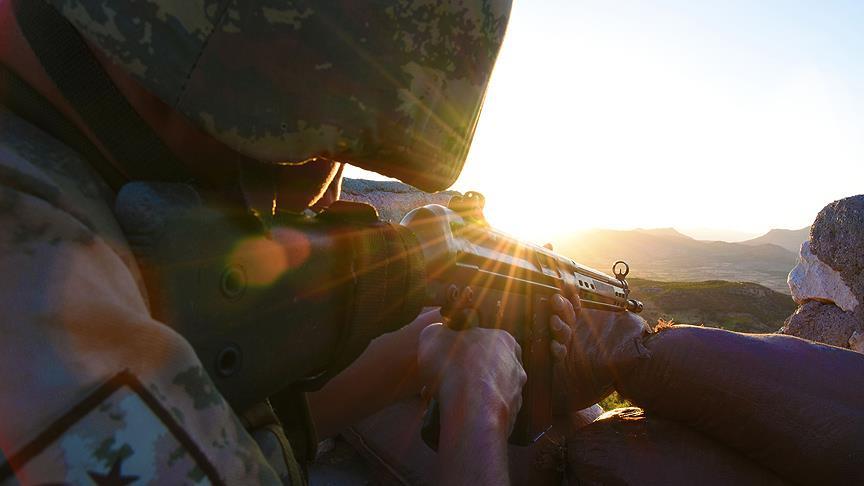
(590, 347)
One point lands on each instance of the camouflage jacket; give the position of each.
(96, 391)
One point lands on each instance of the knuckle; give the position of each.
(509, 339)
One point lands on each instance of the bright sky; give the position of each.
(715, 117)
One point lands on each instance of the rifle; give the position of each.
(482, 277)
(293, 301)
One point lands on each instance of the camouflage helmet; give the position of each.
(392, 86)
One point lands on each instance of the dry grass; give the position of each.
(614, 401)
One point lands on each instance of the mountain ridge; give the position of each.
(663, 232)
(667, 257)
(785, 238)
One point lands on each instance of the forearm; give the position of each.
(768, 396)
(385, 373)
(472, 446)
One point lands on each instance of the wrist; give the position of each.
(472, 447)
(477, 407)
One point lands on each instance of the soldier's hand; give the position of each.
(591, 348)
(475, 374)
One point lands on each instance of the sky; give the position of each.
(723, 119)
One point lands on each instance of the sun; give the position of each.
(599, 119)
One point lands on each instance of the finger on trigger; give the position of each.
(559, 351)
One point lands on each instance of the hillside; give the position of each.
(736, 306)
(788, 239)
(669, 256)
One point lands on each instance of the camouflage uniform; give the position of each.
(96, 390)
(95, 386)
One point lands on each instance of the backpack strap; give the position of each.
(74, 69)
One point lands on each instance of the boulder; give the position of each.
(812, 279)
(828, 282)
(586, 416)
(837, 238)
(392, 199)
(824, 323)
(856, 342)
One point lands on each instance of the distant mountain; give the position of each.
(669, 256)
(789, 239)
(736, 306)
(715, 234)
(662, 232)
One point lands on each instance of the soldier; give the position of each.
(269, 96)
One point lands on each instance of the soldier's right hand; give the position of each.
(475, 374)
(477, 377)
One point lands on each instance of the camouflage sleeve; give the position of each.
(95, 390)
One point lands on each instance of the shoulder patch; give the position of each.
(120, 434)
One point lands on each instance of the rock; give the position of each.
(837, 238)
(856, 342)
(825, 323)
(581, 418)
(812, 279)
(392, 199)
(828, 282)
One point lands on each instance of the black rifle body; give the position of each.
(486, 278)
(293, 303)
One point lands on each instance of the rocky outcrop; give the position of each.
(392, 199)
(837, 238)
(824, 323)
(812, 279)
(828, 282)
(856, 342)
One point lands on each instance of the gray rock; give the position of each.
(585, 416)
(392, 199)
(812, 279)
(824, 323)
(856, 342)
(837, 238)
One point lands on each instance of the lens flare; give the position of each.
(265, 260)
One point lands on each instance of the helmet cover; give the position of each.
(392, 86)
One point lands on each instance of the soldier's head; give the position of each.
(390, 86)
